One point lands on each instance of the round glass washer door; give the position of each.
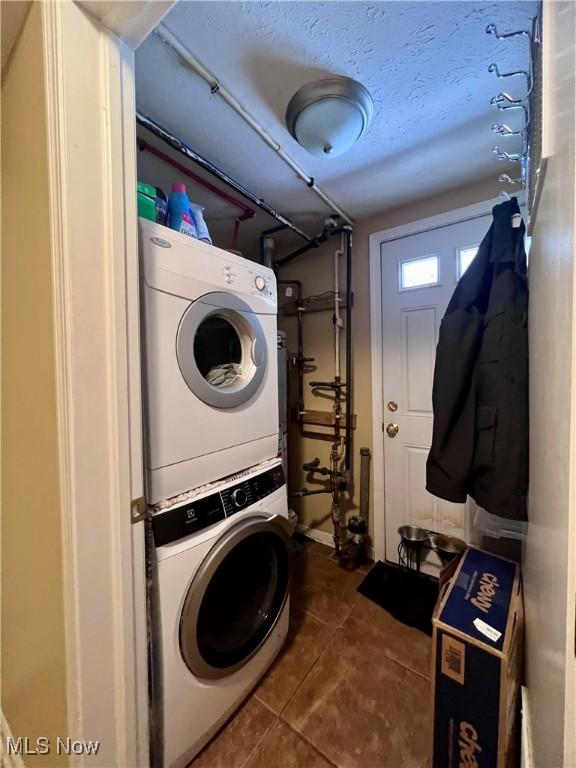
(221, 350)
(236, 597)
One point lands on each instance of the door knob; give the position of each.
(392, 430)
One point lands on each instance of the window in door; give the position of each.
(418, 273)
(465, 258)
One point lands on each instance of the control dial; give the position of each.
(260, 283)
(239, 497)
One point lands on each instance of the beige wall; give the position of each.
(33, 652)
(315, 271)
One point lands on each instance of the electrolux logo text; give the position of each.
(43, 745)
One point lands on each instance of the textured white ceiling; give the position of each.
(425, 64)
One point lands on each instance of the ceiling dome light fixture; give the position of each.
(328, 117)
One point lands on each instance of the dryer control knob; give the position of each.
(260, 283)
(239, 497)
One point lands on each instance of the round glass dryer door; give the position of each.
(221, 350)
(236, 597)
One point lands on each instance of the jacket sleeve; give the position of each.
(453, 400)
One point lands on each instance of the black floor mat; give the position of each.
(408, 596)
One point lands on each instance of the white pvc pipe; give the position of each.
(216, 87)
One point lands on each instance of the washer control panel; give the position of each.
(251, 490)
(190, 517)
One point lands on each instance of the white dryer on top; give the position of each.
(210, 364)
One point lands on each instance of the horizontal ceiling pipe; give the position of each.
(247, 212)
(316, 243)
(175, 143)
(217, 87)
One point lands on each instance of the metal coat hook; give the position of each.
(503, 97)
(512, 157)
(505, 101)
(504, 107)
(493, 68)
(504, 178)
(504, 130)
(491, 29)
(506, 97)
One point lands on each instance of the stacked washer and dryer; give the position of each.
(219, 537)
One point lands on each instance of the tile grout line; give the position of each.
(388, 656)
(304, 612)
(345, 619)
(296, 730)
(316, 617)
(309, 671)
(309, 743)
(266, 732)
(428, 678)
(285, 707)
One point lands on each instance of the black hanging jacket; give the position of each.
(480, 392)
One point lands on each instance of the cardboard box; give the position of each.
(477, 663)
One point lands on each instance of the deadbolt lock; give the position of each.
(392, 430)
(392, 406)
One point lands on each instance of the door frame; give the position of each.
(91, 144)
(376, 240)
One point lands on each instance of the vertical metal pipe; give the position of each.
(236, 234)
(267, 251)
(349, 374)
(300, 318)
(364, 483)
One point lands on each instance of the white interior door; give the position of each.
(419, 274)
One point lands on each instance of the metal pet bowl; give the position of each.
(412, 536)
(447, 547)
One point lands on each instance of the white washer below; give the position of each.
(219, 604)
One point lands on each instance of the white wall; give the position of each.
(549, 558)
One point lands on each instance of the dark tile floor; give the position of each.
(350, 689)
